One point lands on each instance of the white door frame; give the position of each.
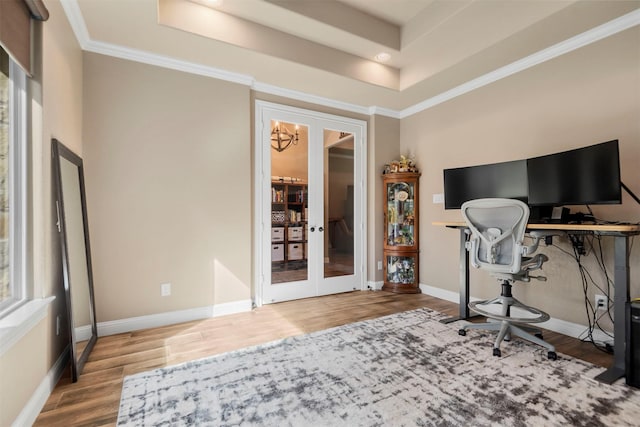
(262, 191)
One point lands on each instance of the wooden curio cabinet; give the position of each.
(401, 244)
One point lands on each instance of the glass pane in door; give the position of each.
(289, 205)
(339, 203)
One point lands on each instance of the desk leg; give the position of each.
(620, 315)
(464, 280)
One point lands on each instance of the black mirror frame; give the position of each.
(59, 152)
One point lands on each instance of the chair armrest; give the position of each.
(534, 263)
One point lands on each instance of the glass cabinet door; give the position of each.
(400, 213)
(401, 269)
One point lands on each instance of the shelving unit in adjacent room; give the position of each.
(288, 222)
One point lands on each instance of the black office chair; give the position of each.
(496, 245)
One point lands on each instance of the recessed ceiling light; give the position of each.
(382, 57)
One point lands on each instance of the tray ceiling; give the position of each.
(327, 48)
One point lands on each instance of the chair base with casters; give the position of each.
(508, 326)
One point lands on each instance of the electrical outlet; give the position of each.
(165, 289)
(601, 302)
(379, 265)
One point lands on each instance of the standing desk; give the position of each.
(621, 281)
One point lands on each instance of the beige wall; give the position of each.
(57, 112)
(62, 119)
(22, 368)
(588, 96)
(162, 189)
(168, 176)
(384, 147)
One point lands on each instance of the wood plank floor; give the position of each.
(94, 399)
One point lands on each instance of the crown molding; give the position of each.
(74, 15)
(76, 20)
(382, 111)
(593, 35)
(167, 62)
(306, 97)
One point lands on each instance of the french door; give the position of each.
(310, 195)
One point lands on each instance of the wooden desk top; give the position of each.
(596, 228)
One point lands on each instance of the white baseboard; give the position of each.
(440, 293)
(232, 308)
(83, 333)
(571, 329)
(574, 330)
(375, 286)
(39, 397)
(171, 318)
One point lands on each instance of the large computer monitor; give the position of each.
(584, 176)
(507, 180)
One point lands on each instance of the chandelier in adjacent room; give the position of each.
(282, 138)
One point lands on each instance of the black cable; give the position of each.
(591, 212)
(591, 311)
(628, 190)
(594, 310)
(581, 249)
(606, 275)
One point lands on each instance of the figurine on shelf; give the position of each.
(405, 164)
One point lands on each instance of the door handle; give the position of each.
(312, 229)
(320, 229)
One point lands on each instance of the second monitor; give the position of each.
(584, 176)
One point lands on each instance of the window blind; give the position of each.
(15, 28)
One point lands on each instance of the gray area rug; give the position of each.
(403, 369)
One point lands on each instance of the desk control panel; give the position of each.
(580, 232)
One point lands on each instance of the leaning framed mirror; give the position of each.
(70, 202)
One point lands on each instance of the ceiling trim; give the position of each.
(314, 99)
(326, 102)
(167, 62)
(593, 35)
(74, 15)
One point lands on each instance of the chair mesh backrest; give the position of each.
(497, 231)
